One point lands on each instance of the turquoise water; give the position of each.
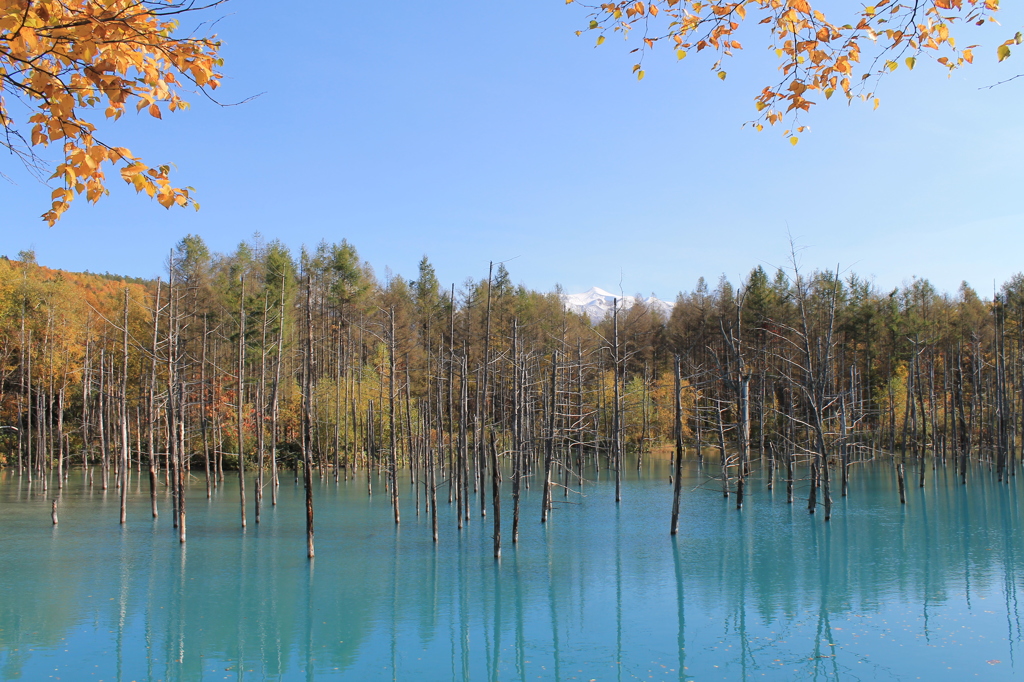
(601, 592)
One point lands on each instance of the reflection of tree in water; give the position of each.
(769, 581)
(232, 600)
(946, 541)
(680, 610)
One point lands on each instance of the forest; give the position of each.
(261, 362)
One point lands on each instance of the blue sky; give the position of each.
(478, 131)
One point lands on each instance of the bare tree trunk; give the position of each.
(617, 408)
(412, 450)
(60, 435)
(549, 442)
(393, 457)
(644, 422)
(579, 412)
(101, 414)
(901, 483)
(260, 411)
(202, 412)
(307, 464)
(812, 496)
(678, 461)
(432, 472)
(463, 439)
(183, 463)
(482, 412)
(517, 426)
(370, 448)
(844, 448)
(496, 497)
(170, 447)
(24, 443)
(241, 399)
(338, 410)
(721, 447)
(789, 477)
(826, 488)
(123, 473)
(274, 482)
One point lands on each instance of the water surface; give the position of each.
(601, 592)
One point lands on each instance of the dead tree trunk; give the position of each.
(549, 443)
(517, 426)
(678, 461)
(617, 407)
(241, 399)
(307, 464)
(123, 472)
(496, 497)
(393, 456)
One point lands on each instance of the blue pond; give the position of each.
(928, 590)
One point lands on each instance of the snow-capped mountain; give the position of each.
(597, 303)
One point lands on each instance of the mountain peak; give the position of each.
(598, 303)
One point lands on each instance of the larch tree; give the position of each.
(64, 61)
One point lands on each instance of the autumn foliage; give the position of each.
(909, 370)
(818, 54)
(68, 59)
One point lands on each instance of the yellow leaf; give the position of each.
(721, 74)
(640, 75)
(911, 62)
(793, 140)
(1003, 52)
(600, 39)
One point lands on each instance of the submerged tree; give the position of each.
(233, 364)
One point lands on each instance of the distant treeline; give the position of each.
(288, 357)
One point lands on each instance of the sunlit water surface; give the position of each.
(601, 592)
